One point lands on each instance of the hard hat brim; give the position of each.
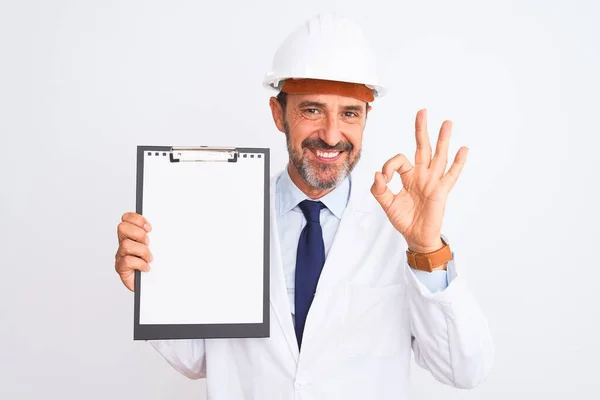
(277, 83)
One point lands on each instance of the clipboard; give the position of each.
(209, 210)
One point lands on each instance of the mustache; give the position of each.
(318, 143)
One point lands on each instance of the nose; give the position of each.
(331, 132)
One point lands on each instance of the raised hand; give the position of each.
(418, 209)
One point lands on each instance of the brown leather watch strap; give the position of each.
(429, 261)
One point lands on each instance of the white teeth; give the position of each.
(327, 154)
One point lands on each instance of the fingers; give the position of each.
(440, 159)
(126, 267)
(399, 163)
(130, 248)
(127, 230)
(451, 177)
(128, 264)
(137, 220)
(133, 252)
(423, 153)
(381, 192)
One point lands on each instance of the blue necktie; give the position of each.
(309, 263)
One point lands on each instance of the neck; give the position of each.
(311, 191)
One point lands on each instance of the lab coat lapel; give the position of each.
(345, 258)
(349, 246)
(278, 291)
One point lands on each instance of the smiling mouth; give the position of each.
(326, 156)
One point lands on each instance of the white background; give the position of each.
(83, 82)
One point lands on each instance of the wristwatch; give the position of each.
(429, 261)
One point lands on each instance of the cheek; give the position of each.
(354, 136)
(299, 132)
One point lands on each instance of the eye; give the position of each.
(311, 110)
(350, 114)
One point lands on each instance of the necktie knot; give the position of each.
(311, 210)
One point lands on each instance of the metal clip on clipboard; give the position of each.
(203, 153)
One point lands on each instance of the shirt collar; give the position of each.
(290, 196)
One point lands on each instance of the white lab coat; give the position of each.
(369, 311)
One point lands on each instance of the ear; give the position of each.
(368, 111)
(277, 113)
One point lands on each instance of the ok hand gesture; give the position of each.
(417, 210)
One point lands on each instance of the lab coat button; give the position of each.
(299, 384)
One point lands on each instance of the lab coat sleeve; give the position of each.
(186, 356)
(450, 334)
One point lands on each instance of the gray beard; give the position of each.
(312, 176)
(311, 173)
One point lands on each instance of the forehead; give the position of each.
(328, 100)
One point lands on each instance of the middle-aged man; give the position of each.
(369, 276)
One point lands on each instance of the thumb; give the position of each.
(129, 280)
(381, 192)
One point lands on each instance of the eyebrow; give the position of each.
(316, 104)
(354, 108)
